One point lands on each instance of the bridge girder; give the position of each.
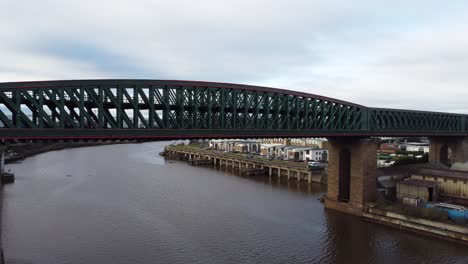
(183, 109)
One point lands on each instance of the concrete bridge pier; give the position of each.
(351, 174)
(448, 150)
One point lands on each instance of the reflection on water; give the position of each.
(282, 183)
(125, 204)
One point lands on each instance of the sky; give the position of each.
(392, 54)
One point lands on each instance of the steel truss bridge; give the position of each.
(166, 109)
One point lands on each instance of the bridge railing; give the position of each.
(170, 106)
(114, 107)
(381, 119)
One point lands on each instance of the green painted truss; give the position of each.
(182, 109)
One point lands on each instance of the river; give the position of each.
(125, 204)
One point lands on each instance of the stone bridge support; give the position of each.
(448, 150)
(352, 172)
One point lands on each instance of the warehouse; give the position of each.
(418, 189)
(453, 184)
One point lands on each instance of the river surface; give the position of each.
(125, 204)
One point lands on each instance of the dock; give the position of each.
(200, 162)
(253, 172)
(249, 166)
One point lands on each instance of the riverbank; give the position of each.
(438, 229)
(21, 151)
(252, 165)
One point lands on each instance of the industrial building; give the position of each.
(453, 184)
(418, 189)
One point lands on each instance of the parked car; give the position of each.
(313, 164)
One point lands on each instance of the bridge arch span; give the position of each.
(171, 109)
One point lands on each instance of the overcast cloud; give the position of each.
(398, 54)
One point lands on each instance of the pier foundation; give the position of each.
(351, 174)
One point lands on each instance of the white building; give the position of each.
(299, 142)
(415, 146)
(252, 146)
(269, 149)
(297, 154)
(282, 151)
(317, 154)
(308, 142)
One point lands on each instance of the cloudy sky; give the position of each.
(398, 54)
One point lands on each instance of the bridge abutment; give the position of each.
(352, 171)
(448, 150)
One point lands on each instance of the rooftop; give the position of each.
(303, 148)
(272, 145)
(388, 183)
(416, 144)
(457, 174)
(419, 183)
(460, 166)
(234, 141)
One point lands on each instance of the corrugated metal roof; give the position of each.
(457, 174)
(460, 166)
(419, 183)
(303, 148)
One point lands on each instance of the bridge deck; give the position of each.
(159, 109)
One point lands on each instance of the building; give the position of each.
(282, 141)
(252, 146)
(315, 154)
(269, 149)
(282, 151)
(241, 147)
(296, 154)
(418, 189)
(388, 148)
(388, 189)
(415, 147)
(309, 142)
(453, 184)
(299, 142)
(459, 166)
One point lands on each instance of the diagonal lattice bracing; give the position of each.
(181, 109)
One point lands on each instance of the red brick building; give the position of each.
(389, 148)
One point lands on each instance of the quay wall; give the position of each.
(446, 231)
